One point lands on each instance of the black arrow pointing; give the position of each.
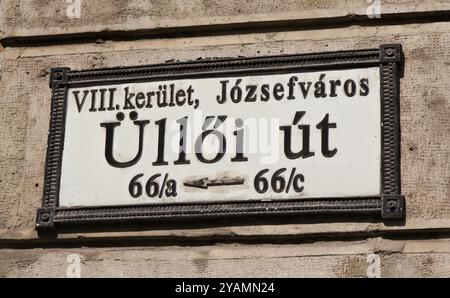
(204, 183)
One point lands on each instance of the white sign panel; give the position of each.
(291, 135)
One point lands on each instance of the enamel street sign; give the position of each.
(296, 134)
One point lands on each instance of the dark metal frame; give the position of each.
(390, 205)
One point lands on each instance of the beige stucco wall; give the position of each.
(423, 258)
(162, 31)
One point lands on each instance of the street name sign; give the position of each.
(282, 135)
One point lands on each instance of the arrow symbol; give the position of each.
(204, 183)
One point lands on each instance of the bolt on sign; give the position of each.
(282, 135)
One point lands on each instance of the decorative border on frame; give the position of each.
(390, 205)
